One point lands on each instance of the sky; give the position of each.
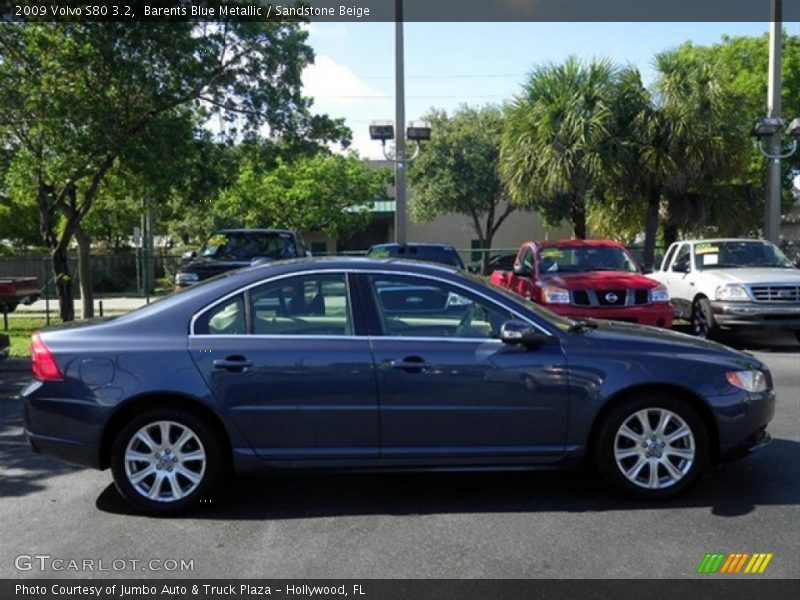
(449, 64)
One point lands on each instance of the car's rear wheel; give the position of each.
(652, 446)
(166, 460)
(703, 323)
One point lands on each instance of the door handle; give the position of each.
(412, 364)
(235, 363)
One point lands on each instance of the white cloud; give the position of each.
(330, 83)
(332, 31)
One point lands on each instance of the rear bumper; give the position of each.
(63, 427)
(761, 316)
(655, 315)
(85, 455)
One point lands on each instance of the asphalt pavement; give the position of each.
(511, 525)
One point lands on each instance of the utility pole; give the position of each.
(400, 201)
(772, 220)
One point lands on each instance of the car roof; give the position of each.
(578, 243)
(413, 245)
(254, 230)
(719, 240)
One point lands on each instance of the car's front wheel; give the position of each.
(166, 460)
(652, 446)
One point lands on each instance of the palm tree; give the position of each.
(704, 139)
(558, 139)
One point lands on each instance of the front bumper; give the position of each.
(655, 315)
(742, 420)
(756, 315)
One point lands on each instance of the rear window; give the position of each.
(434, 254)
(246, 245)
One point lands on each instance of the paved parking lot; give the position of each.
(412, 525)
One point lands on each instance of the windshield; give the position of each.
(246, 245)
(584, 259)
(729, 255)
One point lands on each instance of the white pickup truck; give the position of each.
(731, 284)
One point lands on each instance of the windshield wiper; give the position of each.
(581, 326)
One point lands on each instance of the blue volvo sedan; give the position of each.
(382, 364)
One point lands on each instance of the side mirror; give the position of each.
(189, 255)
(518, 332)
(522, 270)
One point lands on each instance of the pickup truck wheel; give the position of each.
(8, 307)
(652, 446)
(703, 323)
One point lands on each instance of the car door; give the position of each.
(448, 389)
(283, 359)
(681, 286)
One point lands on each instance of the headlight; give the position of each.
(555, 295)
(732, 292)
(659, 294)
(749, 381)
(186, 278)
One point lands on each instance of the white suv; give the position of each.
(731, 284)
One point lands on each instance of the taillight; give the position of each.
(43, 362)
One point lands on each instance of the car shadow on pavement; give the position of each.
(21, 471)
(770, 478)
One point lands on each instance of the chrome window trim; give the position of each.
(345, 272)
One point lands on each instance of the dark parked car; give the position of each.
(357, 363)
(230, 249)
(443, 254)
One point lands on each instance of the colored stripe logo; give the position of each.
(736, 562)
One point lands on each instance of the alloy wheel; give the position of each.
(654, 448)
(165, 461)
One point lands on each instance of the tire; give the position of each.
(626, 464)
(703, 323)
(166, 478)
(8, 306)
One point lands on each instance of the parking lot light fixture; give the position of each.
(766, 126)
(419, 131)
(381, 130)
(793, 130)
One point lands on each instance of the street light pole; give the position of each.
(772, 221)
(400, 203)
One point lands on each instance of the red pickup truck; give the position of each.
(17, 290)
(587, 278)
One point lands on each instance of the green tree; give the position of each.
(559, 138)
(328, 193)
(458, 172)
(76, 99)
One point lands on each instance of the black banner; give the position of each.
(734, 588)
(387, 10)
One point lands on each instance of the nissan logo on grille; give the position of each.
(611, 297)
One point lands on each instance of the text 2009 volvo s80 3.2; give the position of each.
(382, 364)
